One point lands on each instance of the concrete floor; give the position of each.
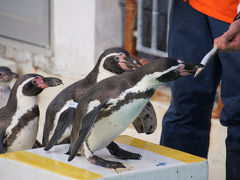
(218, 132)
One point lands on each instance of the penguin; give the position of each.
(60, 112)
(6, 77)
(19, 118)
(111, 105)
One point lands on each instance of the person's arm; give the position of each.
(230, 40)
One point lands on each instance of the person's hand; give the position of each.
(230, 40)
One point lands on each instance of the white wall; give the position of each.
(73, 36)
(108, 21)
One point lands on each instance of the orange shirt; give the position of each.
(224, 10)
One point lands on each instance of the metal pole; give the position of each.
(153, 50)
(154, 24)
(139, 23)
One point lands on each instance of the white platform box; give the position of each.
(158, 162)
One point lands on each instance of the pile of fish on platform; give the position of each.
(90, 113)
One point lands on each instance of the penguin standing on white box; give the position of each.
(110, 106)
(20, 117)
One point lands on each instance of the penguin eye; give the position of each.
(34, 81)
(116, 58)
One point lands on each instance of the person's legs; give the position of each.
(186, 124)
(230, 115)
(230, 93)
(233, 153)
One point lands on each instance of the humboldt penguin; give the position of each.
(111, 105)
(19, 118)
(60, 112)
(6, 77)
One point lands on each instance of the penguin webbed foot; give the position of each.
(120, 153)
(105, 163)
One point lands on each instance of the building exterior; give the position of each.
(62, 37)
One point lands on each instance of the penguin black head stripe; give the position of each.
(170, 69)
(34, 84)
(115, 61)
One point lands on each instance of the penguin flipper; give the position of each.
(87, 124)
(146, 122)
(2, 134)
(65, 119)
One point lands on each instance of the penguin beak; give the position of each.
(51, 81)
(131, 63)
(188, 69)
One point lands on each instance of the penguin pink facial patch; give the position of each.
(182, 71)
(122, 62)
(39, 81)
(128, 63)
(123, 65)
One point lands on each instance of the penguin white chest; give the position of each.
(26, 137)
(105, 130)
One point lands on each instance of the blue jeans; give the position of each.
(186, 124)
